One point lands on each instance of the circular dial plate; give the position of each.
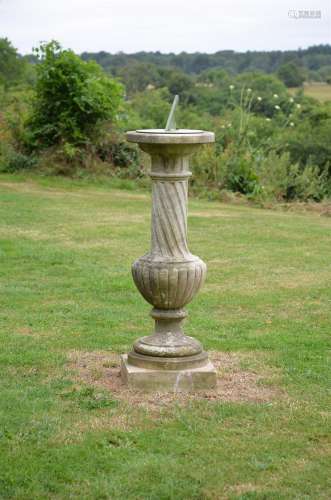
(163, 131)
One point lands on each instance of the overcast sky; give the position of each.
(165, 25)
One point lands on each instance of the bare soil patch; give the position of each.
(242, 377)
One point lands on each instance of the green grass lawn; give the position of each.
(66, 250)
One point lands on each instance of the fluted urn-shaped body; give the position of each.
(169, 276)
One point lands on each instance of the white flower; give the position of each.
(249, 90)
(298, 106)
(267, 119)
(231, 87)
(275, 96)
(259, 98)
(291, 124)
(222, 126)
(277, 107)
(229, 125)
(291, 99)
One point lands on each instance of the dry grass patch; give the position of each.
(242, 377)
(18, 232)
(212, 213)
(25, 331)
(122, 421)
(284, 278)
(30, 332)
(240, 489)
(34, 187)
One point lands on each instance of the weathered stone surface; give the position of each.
(169, 276)
(168, 339)
(189, 380)
(167, 363)
(180, 137)
(168, 285)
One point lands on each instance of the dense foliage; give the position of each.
(270, 145)
(315, 61)
(291, 74)
(72, 98)
(13, 67)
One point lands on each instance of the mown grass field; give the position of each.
(320, 91)
(66, 289)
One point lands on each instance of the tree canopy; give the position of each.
(72, 98)
(312, 59)
(291, 74)
(12, 65)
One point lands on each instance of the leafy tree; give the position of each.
(137, 76)
(211, 100)
(291, 74)
(261, 83)
(325, 74)
(152, 107)
(215, 76)
(72, 99)
(11, 64)
(177, 82)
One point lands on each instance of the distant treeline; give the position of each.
(312, 59)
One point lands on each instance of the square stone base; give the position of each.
(191, 380)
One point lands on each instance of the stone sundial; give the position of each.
(169, 275)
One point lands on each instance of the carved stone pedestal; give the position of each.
(169, 276)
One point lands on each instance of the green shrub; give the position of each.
(273, 174)
(291, 74)
(308, 183)
(116, 151)
(280, 180)
(152, 107)
(309, 141)
(241, 175)
(72, 99)
(13, 161)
